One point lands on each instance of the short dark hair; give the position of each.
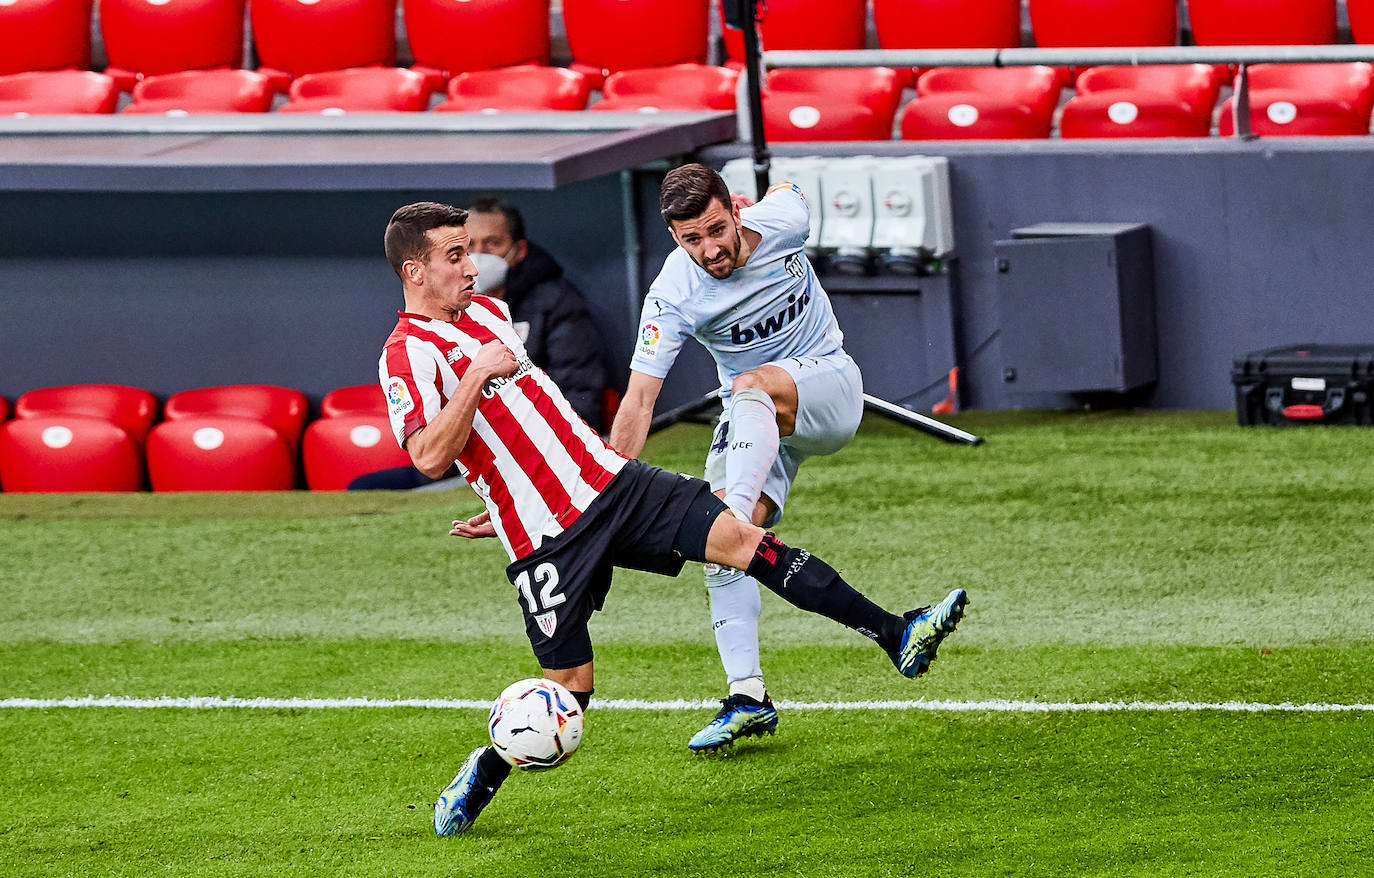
(515, 223)
(407, 234)
(689, 190)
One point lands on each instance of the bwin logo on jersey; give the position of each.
(771, 325)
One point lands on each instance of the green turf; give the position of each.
(1112, 556)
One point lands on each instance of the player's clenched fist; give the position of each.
(494, 360)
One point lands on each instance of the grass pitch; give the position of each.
(1112, 557)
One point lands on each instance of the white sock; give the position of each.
(753, 687)
(753, 447)
(735, 608)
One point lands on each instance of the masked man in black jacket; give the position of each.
(549, 313)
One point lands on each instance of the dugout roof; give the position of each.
(356, 152)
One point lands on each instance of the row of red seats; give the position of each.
(373, 89)
(1020, 102)
(249, 437)
(295, 37)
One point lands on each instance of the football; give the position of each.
(535, 724)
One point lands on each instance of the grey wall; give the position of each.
(1255, 244)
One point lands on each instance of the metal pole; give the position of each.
(919, 421)
(753, 70)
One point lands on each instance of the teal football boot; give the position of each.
(926, 628)
(739, 717)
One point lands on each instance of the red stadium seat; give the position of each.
(513, 32)
(947, 24)
(857, 103)
(1262, 22)
(338, 450)
(1352, 81)
(355, 399)
(144, 38)
(203, 91)
(679, 87)
(132, 409)
(44, 35)
(295, 37)
(1036, 87)
(68, 453)
(282, 408)
(1131, 113)
(1197, 85)
(219, 453)
(516, 89)
(1061, 23)
(54, 92)
(609, 35)
(1361, 14)
(804, 24)
(1286, 113)
(971, 116)
(4, 409)
(359, 90)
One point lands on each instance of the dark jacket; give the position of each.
(563, 340)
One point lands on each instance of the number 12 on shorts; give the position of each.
(546, 577)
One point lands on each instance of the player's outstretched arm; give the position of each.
(636, 412)
(434, 447)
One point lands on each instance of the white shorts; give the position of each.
(829, 406)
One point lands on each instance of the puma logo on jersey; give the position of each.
(771, 325)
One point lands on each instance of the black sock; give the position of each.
(583, 698)
(807, 582)
(492, 770)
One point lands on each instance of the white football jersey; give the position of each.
(771, 308)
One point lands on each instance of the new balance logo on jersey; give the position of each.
(770, 325)
(492, 387)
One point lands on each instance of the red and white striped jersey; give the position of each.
(530, 458)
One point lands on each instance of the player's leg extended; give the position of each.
(761, 410)
(808, 583)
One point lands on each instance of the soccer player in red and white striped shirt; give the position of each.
(460, 388)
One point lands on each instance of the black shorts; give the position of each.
(635, 524)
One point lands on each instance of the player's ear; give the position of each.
(414, 272)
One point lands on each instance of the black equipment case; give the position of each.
(1305, 384)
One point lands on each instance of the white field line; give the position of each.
(995, 706)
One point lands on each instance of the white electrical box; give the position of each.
(847, 213)
(913, 222)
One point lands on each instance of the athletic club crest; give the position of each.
(547, 622)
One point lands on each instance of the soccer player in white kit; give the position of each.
(740, 283)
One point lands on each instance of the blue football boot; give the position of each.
(461, 801)
(739, 717)
(926, 628)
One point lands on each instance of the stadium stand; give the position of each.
(1036, 87)
(804, 24)
(44, 35)
(1352, 82)
(355, 399)
(143, 38)
(359, 90)
(1197, 85)
(283, 409)
(339, 449)
(203, 91)
(292, 37)
(219, 453)
(947, 24)
(1131, 113)
(57, 92)
(1307, 100)
(971, 116)
(1070, 23)
(856, 103)
(1262, 22)
(517, 33)
(67, 453)
(513, 89)
(678, 87)
(605, 36)
(132, 409)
